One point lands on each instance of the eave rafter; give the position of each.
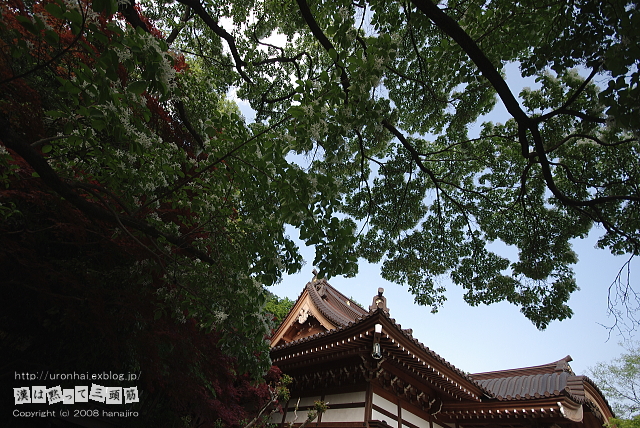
(552, 409)
(487, 416)
(400, 350)
(303, 354)
(428, 370)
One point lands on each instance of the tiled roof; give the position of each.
(527, 387)
(334, 305)
(548, 380)
(405, 332)
(344, 312)
(511, 391)
(315, 336)
(555, 367)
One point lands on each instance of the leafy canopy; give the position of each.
(278, 307)
(379, 96)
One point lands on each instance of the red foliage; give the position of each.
(149, 24)
(68, 299)
(65, 289)
(179, 63)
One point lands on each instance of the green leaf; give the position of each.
(51, 37)
(27, 24)
(75, 17)
(98, 124)
(112, 7)
(55, 113)
(137, 87)
(55, 10)
(210, 131)
(296, 111)
(99, 5)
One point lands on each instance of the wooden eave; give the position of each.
(596, 402)
(354, 339)
(489, 404)
(321, 302)
(592, 408)
(401, 352)
(401, 347)
(550, 391)
(489, 412)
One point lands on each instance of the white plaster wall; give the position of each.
(347, 397)
(305, 401)
(414, 419)
(302, 414)
(385, 404)
(343, 415)
(276, 418)
(377, 416)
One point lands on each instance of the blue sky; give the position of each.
(498, 336)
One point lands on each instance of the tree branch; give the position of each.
(209, 166)
(221, 32)
(453, 29)
(15, 142)
(182, 113)
(564, 108)
(55, 57)
(325, 42)
(186, 16)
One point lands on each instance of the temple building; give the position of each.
(372, 373)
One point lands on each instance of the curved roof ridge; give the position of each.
(588, 380)
(562, 365)
(409, 335)
(399, 329)
(531, 386)
(334, 305)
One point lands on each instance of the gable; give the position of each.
(319, 308)
(304, 320)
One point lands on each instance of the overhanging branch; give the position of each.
(210, 22)
(16, 142)
(325, 42)
(525, 124)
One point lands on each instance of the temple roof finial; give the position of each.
(379, 302)
(319, 284)
(563, 365)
